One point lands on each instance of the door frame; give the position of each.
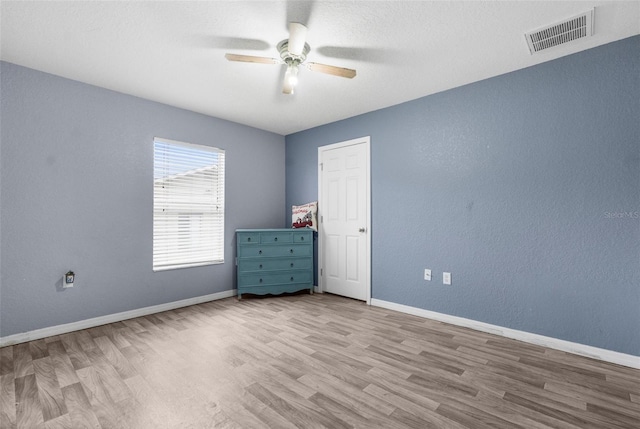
(366, 141)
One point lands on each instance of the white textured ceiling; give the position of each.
(173, 52)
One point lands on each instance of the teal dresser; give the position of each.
(274, 261)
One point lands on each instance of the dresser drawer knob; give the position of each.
(248, 238)
(261, 266)
(301, 238)
(292, 265)
(259, 252)
(260, 280)
(291, 251)
(291, 278)
(275, 239)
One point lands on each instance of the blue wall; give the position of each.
(77, 194)
(526, 187)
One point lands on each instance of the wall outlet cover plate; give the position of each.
(446, 278)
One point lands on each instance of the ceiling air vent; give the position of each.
(571, 29)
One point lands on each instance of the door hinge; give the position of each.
(321, 166)
(320, 272)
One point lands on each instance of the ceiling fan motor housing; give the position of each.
(288, 57)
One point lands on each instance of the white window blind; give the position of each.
(188, 205)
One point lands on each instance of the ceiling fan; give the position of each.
(293, 52)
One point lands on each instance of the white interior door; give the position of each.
(344, 245)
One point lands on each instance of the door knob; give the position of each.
(362, 230)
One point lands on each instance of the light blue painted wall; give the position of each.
(76, 175)
(514, 184)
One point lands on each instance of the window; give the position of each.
(188, 205)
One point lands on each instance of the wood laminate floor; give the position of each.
(305, 361)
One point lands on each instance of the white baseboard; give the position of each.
(110, 318)
(553, 343)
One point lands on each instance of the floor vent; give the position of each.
(571, 29)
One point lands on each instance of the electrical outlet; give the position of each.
(427, 274)
(446, 278)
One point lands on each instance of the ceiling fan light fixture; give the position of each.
(290, 79)
(292, 74)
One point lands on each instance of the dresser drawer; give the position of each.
(266, 279)
(274, 251)
(275, 237)
(265, 264)
(303, 236)
(248, 238)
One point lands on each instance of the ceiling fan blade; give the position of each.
(297, 38)
(333, 70)
(252, 59)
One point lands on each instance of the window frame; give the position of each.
(188, 205)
